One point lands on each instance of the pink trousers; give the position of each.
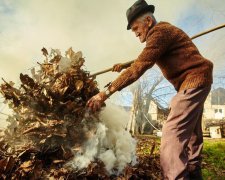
(182, 140)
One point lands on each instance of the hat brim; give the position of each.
(149, 8)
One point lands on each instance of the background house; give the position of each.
(213, 115)
(214, 111)
(157, 111)
(153, 120)
(215, 105)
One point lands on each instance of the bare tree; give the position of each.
(142, 96)
(150, 87)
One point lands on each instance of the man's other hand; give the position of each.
(117, 67)
(96, 102)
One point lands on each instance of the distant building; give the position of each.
(214, 108)
(157, 112)
(214, 112)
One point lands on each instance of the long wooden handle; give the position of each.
(130, 62)
(208, 31)
(110, 69)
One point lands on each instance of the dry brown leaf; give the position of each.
(26, 164)
(58, 161)
(6, 165)
(44, 51)
(48, 69)
(79, 85)
(70, 53)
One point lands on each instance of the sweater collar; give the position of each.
(153, 28)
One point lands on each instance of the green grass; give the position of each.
(214, 159)
(213, 165)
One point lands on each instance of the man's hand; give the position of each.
(96, 102)
(117, 67)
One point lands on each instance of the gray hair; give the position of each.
(147, 14)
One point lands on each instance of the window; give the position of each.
(218, 110)
(219, 113)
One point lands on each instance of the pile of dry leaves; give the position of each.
(47, 124)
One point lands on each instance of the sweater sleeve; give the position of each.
(156, 45)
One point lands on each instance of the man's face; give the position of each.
(140, 28)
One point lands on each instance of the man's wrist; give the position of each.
(109, 91)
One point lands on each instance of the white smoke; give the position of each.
(110, 142)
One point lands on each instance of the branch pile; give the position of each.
(48, 113)
(50, 122)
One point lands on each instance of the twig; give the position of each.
(4, 114)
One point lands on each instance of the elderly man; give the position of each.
(190, 74)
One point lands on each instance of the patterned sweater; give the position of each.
(175, 54)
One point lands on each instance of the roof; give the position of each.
(218, 96)
(159, 105)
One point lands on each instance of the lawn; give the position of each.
(213, 155)
(214, 159)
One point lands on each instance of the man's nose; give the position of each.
(137, 34)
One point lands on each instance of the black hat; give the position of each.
(138, 8)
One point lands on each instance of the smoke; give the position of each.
(108, 141)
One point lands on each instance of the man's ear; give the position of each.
(149, 21)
